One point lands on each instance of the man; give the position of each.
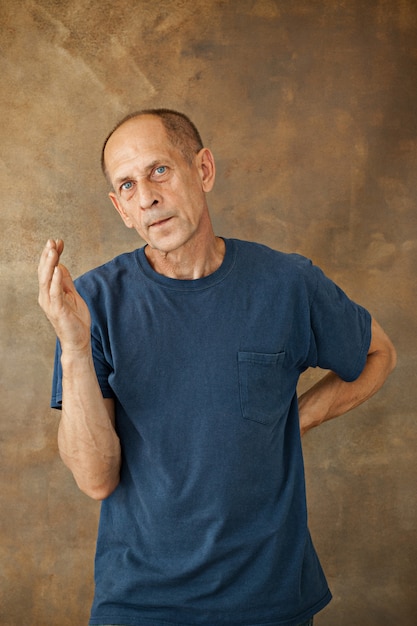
(176, 375)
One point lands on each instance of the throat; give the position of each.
(187, 265)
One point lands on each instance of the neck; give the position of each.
(193, 261)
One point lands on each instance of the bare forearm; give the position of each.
(87, 440)
(332, 396)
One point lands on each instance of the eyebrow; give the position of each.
(122, 179)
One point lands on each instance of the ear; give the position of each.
(206, 168)
(119, 208)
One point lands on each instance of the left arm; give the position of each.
(332, 396)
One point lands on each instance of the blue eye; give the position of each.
(127, 186)
(161, 169)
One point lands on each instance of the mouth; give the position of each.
(160, 222)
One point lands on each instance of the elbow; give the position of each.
(391, 357)
(94, 484)
(98, 492)
(382, 349)
(387, 358)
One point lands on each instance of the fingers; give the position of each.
(55, 286)
(61, 285)
(48, 276)
(60, 301)
(59, 246)
(49, 258)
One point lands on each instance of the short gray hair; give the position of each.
(181, 131)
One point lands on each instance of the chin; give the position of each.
(168, 244)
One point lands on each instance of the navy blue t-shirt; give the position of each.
(208, 526)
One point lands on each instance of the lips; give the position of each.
(160, 221)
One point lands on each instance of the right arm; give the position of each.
(87, 439)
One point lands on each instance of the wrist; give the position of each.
(72, 358)
(310, 412)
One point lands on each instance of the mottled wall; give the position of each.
(310, 109)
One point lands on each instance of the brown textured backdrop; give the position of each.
(310, 109)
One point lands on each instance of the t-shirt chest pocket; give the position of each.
(260, 385)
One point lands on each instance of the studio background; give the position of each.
(310, 110)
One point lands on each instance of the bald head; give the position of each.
(180, 130)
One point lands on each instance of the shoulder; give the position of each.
(120, 264)
(258, 257)
(283, 274)
(101, 281)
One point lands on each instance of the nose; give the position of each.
(147, 194)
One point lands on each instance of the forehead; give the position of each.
(142, 140)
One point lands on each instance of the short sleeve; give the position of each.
(340, 330)
(56, 397)
(101, 364)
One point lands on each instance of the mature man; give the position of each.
(176, 374)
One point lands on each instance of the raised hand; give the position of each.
(59, 299)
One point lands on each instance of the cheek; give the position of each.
(191, 202)
(131, 218)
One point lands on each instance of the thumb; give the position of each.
(61, 283)
(66, 280)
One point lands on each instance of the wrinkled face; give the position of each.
(156, 191)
